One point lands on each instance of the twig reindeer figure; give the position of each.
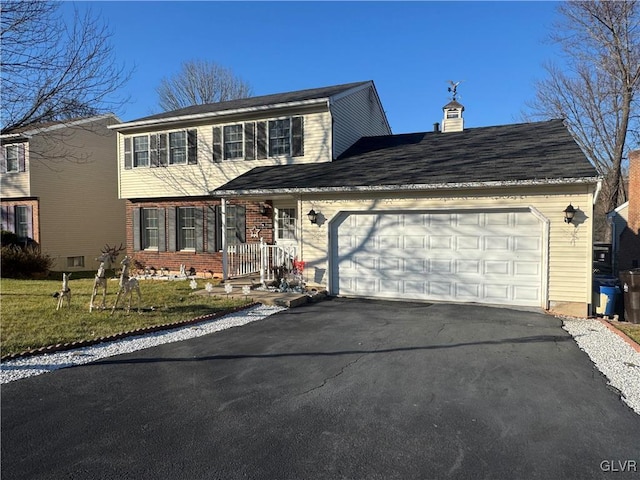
(107, 257)
(127, 286)
(65, 291)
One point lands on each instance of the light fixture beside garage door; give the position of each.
(313, 216)
(569, 213)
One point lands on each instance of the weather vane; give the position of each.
(453, 88)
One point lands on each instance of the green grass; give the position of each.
(29, 318)
(632, 330)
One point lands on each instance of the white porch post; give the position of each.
(223, 227)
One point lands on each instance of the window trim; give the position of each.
(184, 148)
(236, 142)
(16, 149)
(181, 229)
(145, 237)
(136, 161)
(159, 152)
(271, 148)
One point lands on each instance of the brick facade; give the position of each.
(629, 254)
(202, 261)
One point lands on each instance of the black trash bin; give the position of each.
(630, 284)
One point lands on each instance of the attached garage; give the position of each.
(485, 256)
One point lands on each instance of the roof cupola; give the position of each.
(452, 120)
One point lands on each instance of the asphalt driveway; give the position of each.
(340, 389)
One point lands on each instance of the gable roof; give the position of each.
(249, 103)
(541, 152)
(36, 128)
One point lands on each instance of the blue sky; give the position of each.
(409, 49)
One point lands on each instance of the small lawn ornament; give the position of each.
(127, 286)
(107, 257)
(65, 292)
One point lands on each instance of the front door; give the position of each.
(286, 226)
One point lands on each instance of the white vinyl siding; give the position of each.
(207, 175)
(357, 115)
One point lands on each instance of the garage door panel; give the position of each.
(490, 257)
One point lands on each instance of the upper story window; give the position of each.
(178, 148)
(141, 151)
(233, 141)
(161, 149)
(279, 137)
(13, 158)
(259, 140)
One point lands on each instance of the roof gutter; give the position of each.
(221, 113)
(405, 187)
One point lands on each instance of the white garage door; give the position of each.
(486, 257)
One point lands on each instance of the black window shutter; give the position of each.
(192, 142)
(262, 140)
(4, 212)
(241, 223)
(163, 160)
(199, 224)
(162, 231)
(172, 230)
(128, 160)
(219, 232)
(212, 225)
(217, 144)
(137, 229)
(249, 141)
(153, 150)
(22, 164)
(297, 136)
(3, 160)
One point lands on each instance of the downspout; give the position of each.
(225, 258)
(597, 192)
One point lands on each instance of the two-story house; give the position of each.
(59, 187)
(494, 215)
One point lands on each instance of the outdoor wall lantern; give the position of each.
(263, 209)
(569, 213)
(313, 216)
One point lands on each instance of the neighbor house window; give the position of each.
(233, 141)
(279, 137)
(75, 261)
(178, 148)
(286, 224)
(13, 163)
(23, 221)
(150, 228)
(141, 151)
(186, 228)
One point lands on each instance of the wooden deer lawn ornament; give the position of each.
(127, 286)
(107, 257)
(65, 291)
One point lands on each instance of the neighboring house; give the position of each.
(59, 186)
(625, 222)
(473, 215)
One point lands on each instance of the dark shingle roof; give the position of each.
(298, 96)
(511, 153)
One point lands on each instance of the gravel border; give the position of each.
(29, 366)
(612, 356)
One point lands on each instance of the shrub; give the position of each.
(24, 261)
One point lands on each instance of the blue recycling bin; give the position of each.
(608, 297)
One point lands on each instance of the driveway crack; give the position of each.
(332, 377)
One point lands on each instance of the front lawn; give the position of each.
(632, 330)
(29, 318)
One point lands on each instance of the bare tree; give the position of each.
(596, 88)
(200, 82)
(53, 70)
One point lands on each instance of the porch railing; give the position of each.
(273, 257)
(251, 258)
(244, 259)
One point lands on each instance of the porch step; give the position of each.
(281, 299)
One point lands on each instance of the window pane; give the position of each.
(150, 227)
(187, 228)
(141, 151)
(286, 223)
(178, 148)
(279, 137)
(12, 158)
(233, 141)
(22, 221)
